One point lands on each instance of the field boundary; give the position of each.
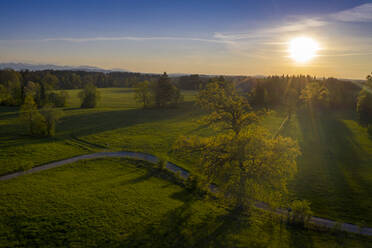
(330, 224)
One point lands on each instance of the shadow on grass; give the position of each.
(94, 121)
(179, 228)
(332, 165)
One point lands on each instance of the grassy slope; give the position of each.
(116, 202)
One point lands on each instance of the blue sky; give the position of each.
(214, 37)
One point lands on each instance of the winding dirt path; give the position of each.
(351, 228)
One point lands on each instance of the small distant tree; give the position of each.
(89, 96)
(364, 102)
(143, 93)
(51, 117)
(166, 93)
(32, 117)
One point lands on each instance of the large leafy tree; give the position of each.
(243, 159)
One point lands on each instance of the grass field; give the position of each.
(118, 123)
(121, 203)
(335, 170)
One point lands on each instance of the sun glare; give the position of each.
(303, 49)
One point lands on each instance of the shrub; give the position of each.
(26, 165)
(299, 212)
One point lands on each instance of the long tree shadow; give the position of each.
(94, 121)
(331, 166)
(177, 229)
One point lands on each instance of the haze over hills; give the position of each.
(38, 67)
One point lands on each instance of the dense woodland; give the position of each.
(271, 92)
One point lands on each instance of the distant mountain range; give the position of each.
(39, 67)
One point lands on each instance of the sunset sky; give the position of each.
(209, 37)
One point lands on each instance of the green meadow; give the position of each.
(122, 202)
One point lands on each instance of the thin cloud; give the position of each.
(293, 26)
(361, 13)
(132, 38)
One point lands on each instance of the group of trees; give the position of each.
(15, 86)
(314, 94)
(161, 93)
(291, 91)
(66, 79)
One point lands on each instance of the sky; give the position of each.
(205, 36)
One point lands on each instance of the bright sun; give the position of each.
(303, 49)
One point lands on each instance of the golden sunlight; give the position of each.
(303, 49)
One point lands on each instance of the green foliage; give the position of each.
(315, 95)
(143, 94)
(58, 99)
(245, 162)
(49, 81)
(10, 88)
(369, 130)
(26, 166)
(33, 89)
(300, 212)
(291, 101)
(246, 167)
(161, 165)
(51, 117)
(89, 96)
(364, 102)
(166, 94)
(259, 96)
(334, 172)
(191, 82)
(124, 206)
(30, 115)
(227, 109)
